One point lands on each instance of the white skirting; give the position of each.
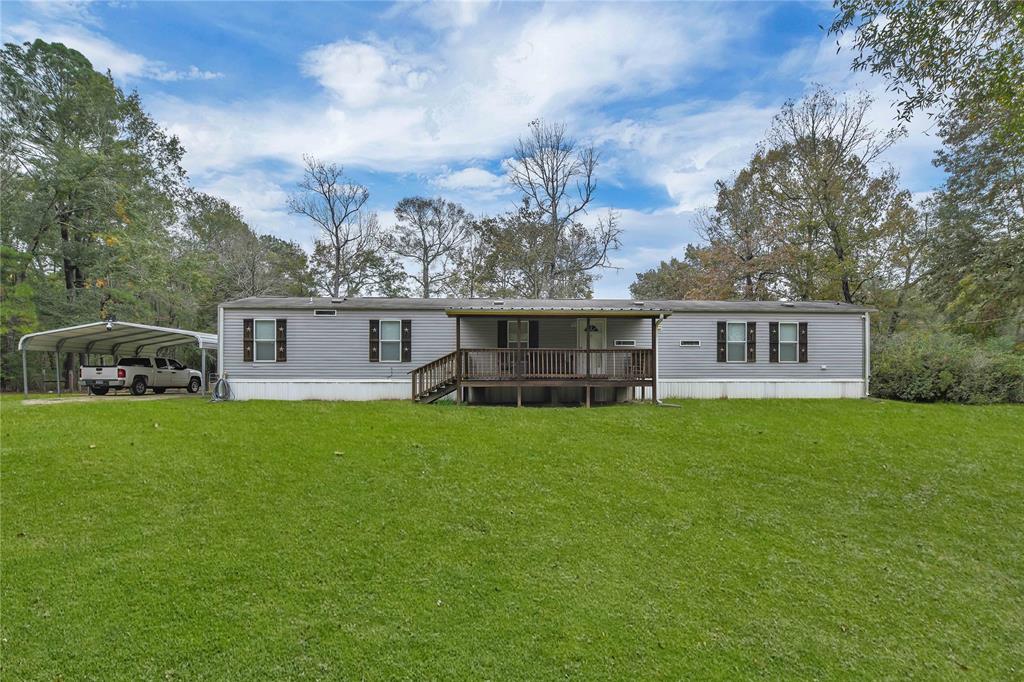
(397, 389)
(320, 389)
(760, 388)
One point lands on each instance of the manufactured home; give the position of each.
(529, 351)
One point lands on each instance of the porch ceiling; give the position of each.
(555, 311)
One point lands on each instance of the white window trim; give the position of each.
(519, 342)
(695, 343)
(625, 343)
(727, 342)
(795, 343)
(381, 342)
(256, 342)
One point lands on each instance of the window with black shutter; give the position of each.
(282, 340)
(406, 340)
(721, 339)
(374, 340)
(803, 342)
(247, 339)
(773, 342)
(751, 341)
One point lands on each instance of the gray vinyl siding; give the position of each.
(833, 340)
(336, 347)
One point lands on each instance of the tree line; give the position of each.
(814, 215)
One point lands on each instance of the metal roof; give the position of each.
(565, 306)
(114, 337)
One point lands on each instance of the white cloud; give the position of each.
(362, 74)
(103, 53)
(473, 179)
(397, 110)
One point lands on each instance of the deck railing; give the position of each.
(526, 364)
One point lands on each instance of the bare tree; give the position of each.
(350, 256)
(432, 233)
(557, 175)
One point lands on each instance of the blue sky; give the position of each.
(418, 98)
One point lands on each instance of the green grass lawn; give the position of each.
(728, 539)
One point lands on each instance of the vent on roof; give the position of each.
(324, 312)
(639, 303)
(337, 300)
(789, 304)
(497, 302)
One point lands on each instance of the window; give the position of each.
(625, 342)
(518, 334)
(325, 313)
(161, 363)
(736, 342)
(390, 340)
(788, 341)
(174, 364)
(689, 344)
(265, 340)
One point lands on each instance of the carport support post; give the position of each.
(24, 370)
(202, 381)
(56, 355)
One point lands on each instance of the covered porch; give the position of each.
(549, 355)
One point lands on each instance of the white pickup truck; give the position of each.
(139, 374)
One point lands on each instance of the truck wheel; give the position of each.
(139, 386)
(159, 390)
(194, 384)
(98, 390)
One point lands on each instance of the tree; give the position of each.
(556, 175)
(432, 233)
(816, 174)
(745, 252)
(351, 256)
(509, 245)
(976, 260)
(89, 183)
(941, 53)
(671, 280)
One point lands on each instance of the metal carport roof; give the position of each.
(112, 338)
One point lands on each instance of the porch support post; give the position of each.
(587, 329)
(202, 379)
(654, 360)
(458, 359)
(24, 370)
(56, 355)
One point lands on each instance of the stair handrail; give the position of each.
(427, 378)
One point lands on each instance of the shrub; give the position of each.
(938, 366)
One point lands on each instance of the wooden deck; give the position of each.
(544, 367)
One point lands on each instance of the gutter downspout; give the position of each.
(867, 355)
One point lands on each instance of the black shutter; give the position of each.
(721, 341)
(247, 339)
(406, 340)
(282, 340)
(773, 342)
(502, 333)
(374, 340)
(751, 341)
(803, 342)
(534, 333)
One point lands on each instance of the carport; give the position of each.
(111, 338)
